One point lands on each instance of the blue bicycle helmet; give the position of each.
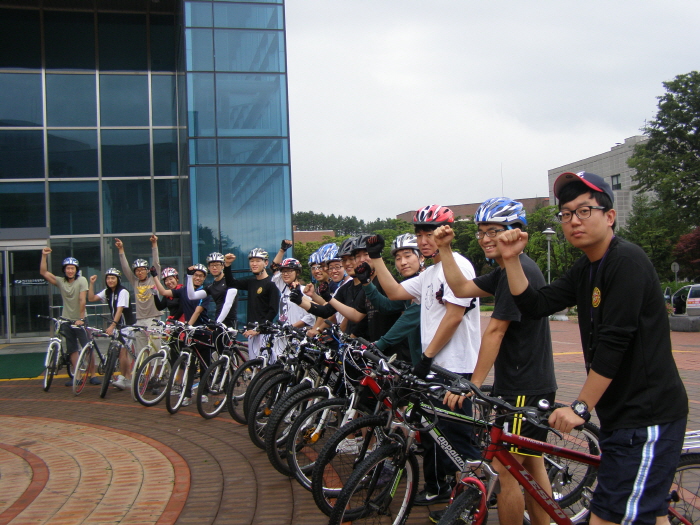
(329, 252)
(315, 258)
(501, 210)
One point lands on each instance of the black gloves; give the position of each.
(375, 245)
(285, 245)
(324, 291)
(190, 271)
(275, 266)
(422, 369)
(363, 272)
(295, 296)
(153, 271)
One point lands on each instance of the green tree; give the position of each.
(656, 228)
(687, 252)
(669, 162)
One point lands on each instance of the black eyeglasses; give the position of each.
(582, 212)
(489, 233)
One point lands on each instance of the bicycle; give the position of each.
(685, 489)
(156, 332)
(56, 356)
(121, 338)
(85, 364)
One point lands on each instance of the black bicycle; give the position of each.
(56, 355)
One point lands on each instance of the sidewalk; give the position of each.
(68, 459)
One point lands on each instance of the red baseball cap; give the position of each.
(595, 182)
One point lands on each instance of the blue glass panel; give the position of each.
(199, 50)
(23, 205)
(74, 208)
(126, 206)
(20, 39)
(125, 153)
(243, 192)
(206, 211)
(253, 1)
(21, 154)
(73, 153)
(20, 99)
(251, 105)
(238, 50)
(200, 104)
(202, 151)
(124, 100)
(163, 100)
(240, 16)
(71, 100)
(167, 199)
(163, 43)
(165, 152)
(69, 40)
(253, 151)
(198, 14)
(123, 43)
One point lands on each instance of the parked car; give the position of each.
(686, 300)
(692, 304)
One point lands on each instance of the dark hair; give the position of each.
(575, 189)
(425, 228)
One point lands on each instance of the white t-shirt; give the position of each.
(122, 298)
(460, 353)
(290, 312)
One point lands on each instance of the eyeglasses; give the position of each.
(489, 233)
(315, 267)
(335, 268)
(582, 212)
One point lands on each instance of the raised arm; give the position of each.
(393, 290)
(154, 252)
(161, 289)
(91, 296)
(284, 246)
(126, 269)
(456, 280)
(193, 294)
(228, 303)
(43, 266)
(511, 243)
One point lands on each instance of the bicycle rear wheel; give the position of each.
(141, 357)
(110, 367)
(175, 394)
(381, 490)
(466, 508)
(685, 490)
(238, 386)
(258, 381)
(151, 380)
(262, 406)
(50, 363)
(213, 384)
(82, 369)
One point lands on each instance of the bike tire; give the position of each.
(151, 380)
(465, 508)
(214, 385)
(685, 489)
(50, 363)
(381, 490)
(341, 453)
(238, 386)
(256, 382)
(262, 406)
(180, 365)
(110, 367)
(141, 357)
(81, 374)
(282, 419)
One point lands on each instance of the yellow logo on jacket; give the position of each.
(259, 290)
(596, 297)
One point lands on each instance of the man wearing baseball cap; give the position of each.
(632, 381)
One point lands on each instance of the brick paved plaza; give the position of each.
(68, 460)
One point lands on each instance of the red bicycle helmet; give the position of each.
(433, 215)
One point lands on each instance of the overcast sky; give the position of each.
(417, 102)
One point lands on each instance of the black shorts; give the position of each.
(519, 426)
(636, 471)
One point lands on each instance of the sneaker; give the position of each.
(175, 390)
(121, 383)
(205, 399)
(348, 446)
(186, 401)
(436, 515)
(424, 497)
(95, 381)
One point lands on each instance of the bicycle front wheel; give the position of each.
(381, 490)
(262, 406)
(466, 508)
(177, 383)
(685, 490)
(239, 385)
(81, 375)
(50, 363)
(141, 357)
(110, 367)
(211, 392)
(151, 380)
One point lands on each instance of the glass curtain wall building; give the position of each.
(120, 118)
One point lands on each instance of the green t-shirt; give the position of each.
(70, 292)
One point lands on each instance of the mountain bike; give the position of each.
(56, 355)
(85, 367)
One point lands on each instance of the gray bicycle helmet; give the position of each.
(215, 257)
(407, 241)
(258, 253)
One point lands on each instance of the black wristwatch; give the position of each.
(580, 408)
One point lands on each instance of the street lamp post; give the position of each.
(549, 233)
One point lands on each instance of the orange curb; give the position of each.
(40, 475)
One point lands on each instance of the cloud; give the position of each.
(394, 105)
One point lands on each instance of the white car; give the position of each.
(686, 300)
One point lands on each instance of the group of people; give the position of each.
(432, 316)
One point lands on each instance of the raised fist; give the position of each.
(285, 245)
(363, 272)
(375, 246)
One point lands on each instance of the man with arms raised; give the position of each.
(632, 382)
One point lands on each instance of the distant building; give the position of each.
(612, 166)
(468, 210)
(311, 236)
